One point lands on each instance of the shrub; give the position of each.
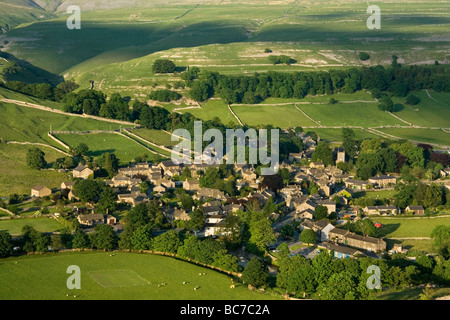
(163, 66)
(164, 95)
(364, 56)
(412, 100)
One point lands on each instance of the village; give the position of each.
(335, 191)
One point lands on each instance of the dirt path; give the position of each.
(398, 118)
(7, 211)
(308, 116)
(234, 114)
(43, 108)
(39, 144)
(429, 95)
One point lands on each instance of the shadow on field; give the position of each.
(29, 73)
(387, 229)
(98, 153)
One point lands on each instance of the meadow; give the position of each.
(409, 226)
(429, 112)
(14, 226)
(436, 136)
(100, 143)
(32, 125)
(17, 177)
(116, 47)
(121, 276)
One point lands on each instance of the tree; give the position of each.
(321, 212)
(287, 231)
(110, 163)
(197, 221)
(5, 244)
(386, 104)
(87, 190)
(167, 242)
(340, 286)
(141, 238)
(35, 158)
(367, 227)
(199, 91)
(262, 234)
(441, 237)
(323, 153)
(296, 275)
(363, 56)
(412, 100)
(308, 236)
(81, 150)
(255, 273)
(103, 237)
(226, 261)
(56, 242)
(163, 66)
(107, 201)
(80, 240)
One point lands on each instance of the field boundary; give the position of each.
(304, 113)
(38, 144)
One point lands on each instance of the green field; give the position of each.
(336, 134)
(156, 136)
(14, 226)
(409, 226)
(435, 136)
(31, 125)
(351, 114)
(285, 116)
(429, 112)
(122, 276)
(412, 294)
(100, 143)
(225, 36)
(17, 177)
(211, 110)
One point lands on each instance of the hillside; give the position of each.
(16, 12)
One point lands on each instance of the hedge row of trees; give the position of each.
(42, 90)
(346, 279)
(397, 80)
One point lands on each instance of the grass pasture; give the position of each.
(436, 136)
(349, 114)
(212, 109)
(409, 227)
(14, 226)
(283, 116)
(17, 177)
(120, 276)
(429, 112)
(100, 143)
(31, 125)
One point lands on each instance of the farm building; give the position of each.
(40, 191)
(415, 210)
(82, 172)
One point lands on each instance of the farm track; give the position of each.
(38, 144)
(43, 108)
(303, 112)
(234, 114)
